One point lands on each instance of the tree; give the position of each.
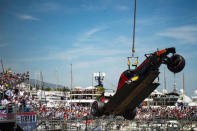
(100, 89)
(37, 86)
(66, 89)
(47, 89)
(31, 87)
(59, 89)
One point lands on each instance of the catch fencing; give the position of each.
(33, 120)
(109, 123)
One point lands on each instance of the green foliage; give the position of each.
(59, 89)
(47, 89)
(97, 97)
(65, 89)
(100, 89)
(37, 86)
(31, 87)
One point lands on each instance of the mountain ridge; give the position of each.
(46, 84)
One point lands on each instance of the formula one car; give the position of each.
(135, 85)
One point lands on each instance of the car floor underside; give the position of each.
(132, 94)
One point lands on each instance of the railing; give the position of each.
(49, 121)
(85, 92)
(115, 124)
(23, 117)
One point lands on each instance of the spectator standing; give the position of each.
(4, 102)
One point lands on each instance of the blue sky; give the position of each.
(95, 36)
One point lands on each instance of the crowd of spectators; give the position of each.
(73, 112)
(8, 79)
(79, 112)
(12, 92)
(176, 113)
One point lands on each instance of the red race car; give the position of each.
(135, 85)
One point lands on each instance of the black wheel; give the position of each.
(176, 63)
(130, 114)
(97, 108)
(94, 108)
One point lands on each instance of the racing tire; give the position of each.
(130, 114)
(176, 63)
(97, 108)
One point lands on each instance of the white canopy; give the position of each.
(78, 88)
(156, 92)
(195, 92)
(80, 101)
(164, 91)
(148, 100)
(193, 104)
(90, 88)
(186, 99)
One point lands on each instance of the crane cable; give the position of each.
(133, 46)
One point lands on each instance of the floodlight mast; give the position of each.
(99, 77)
(2, 66)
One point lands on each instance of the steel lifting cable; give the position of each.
(133, 46)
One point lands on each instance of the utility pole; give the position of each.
(29, 83)
(71, 77)
(56, 80)
(71, 84)
(164, 79)
(36, 81)
(183, 85)
(164, 90)
(65, 79)
(92, 79)
(42, 87)
(2, 66)
(174, 84)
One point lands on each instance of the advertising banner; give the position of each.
(3, 115)
(26, 120)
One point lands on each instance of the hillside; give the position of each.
(46, 84)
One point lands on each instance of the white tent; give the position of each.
(186, 99)
(90, 88)
(164, 91)
(195, 92)
(78, 88)
(148, 100)
(156, 92)
(193, 104)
